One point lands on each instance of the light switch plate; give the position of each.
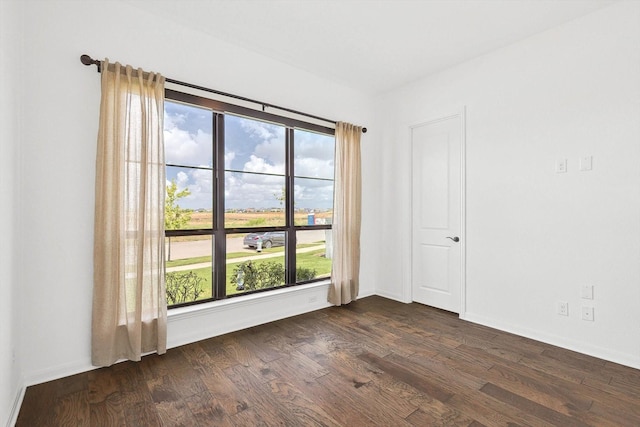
(587, 292)
(586, 163)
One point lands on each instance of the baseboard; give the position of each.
(15, 408)
(391, 296)
(368, 293)
(60, 371)
(558, 341)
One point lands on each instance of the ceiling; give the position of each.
(372, 45)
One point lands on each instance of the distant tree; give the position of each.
(175, 217)
(281, 197)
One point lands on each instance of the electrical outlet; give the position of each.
(587, 314)
(563, 308)
(561, 166)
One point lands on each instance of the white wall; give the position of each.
(534, 236)
(10, 373)
(58, 155)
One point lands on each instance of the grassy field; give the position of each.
(204, 220)
(251, 219)
(314, 260)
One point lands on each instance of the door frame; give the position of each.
(461, 114)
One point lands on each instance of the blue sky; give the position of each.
(251, 146)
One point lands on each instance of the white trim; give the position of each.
(392, 296)
(15, 408)
(408, 288)
(463, 212)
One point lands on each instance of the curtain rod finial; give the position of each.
(364, 130)
(87, 60)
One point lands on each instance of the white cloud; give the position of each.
(228, 158)
(184, 148)
(182, 179)
(313, 167)
(313, 194)
(252, 191)
(261, 130)
(260, 165)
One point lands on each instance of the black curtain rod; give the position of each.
(87, 60)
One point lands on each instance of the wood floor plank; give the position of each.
(529, 406)
(227, 394)
(260, 397)
(73, 409)
(207, 411)
(384, 388)
(302, 406)
(141, 413)
(374, 362)
(409, 376)
(107, 412)
(450, 418)
(355, 395)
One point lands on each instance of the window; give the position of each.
(249, 200)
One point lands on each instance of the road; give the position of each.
(198, 248)
(253, 255)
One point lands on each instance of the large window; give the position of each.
(249, 200)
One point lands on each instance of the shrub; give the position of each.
(258, 276)
(304, 274)
(183, 287)
(265, 275)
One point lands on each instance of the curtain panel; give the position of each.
(345, 274)
(129, 301)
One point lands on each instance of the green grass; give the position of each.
(314, 260)
(232, 255)
(187, 261)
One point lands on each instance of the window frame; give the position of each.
(218, 231)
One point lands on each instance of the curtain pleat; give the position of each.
(129, 300)
(345, 274)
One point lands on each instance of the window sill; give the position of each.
(243, 301)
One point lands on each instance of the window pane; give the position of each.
(255, 261)
(253, 200)
(313, 200)
(189, 198)
(188, 268)
(254, 178)
(313, 255)
(188, 135)
(314, 154)
(253, 146)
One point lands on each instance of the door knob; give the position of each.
(455, 239)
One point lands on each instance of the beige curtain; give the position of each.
(346, 216)
(129, 301)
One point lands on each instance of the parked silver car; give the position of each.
(268, 239)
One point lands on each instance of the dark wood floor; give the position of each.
(373, 362)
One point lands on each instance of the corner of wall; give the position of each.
(15, 408)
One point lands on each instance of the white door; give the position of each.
(437, 214)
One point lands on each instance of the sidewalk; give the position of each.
(242, 259)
